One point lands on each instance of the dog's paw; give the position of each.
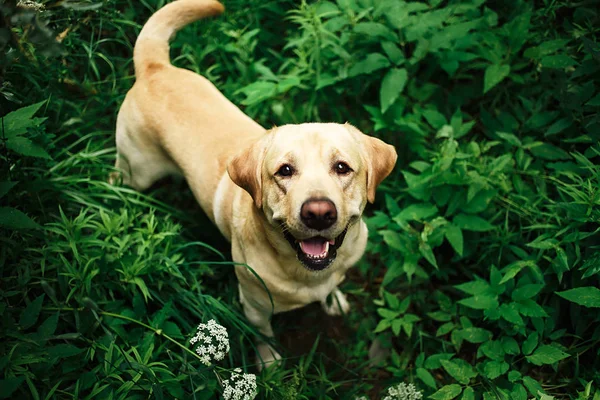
(266, 356)
(338, 304)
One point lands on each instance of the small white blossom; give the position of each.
(361, 398)
(239, 386)
(33, 5)
(403, 391)
(213, 342)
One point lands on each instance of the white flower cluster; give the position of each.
(403, 391)
(240, 386)
(213, 342)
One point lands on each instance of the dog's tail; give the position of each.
(151, 51)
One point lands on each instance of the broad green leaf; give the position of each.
(445, 329)
(547, 354)
(447, 392)
(475, 287)
(595, 102)
(530, 343)
(511, 314)
(63, 350)
(533, 386)
(26, 147)
(434, 361)
(17, 122)
(475, 335)
(427, 252)
(547, 151)
(257, 92)
(391, 86)
(435, 118)
(5, 187)
(530, 308)
(30, 314)
(480, 302)
(459, 369)
(510, 138)
(372, 62)
(48, 327)
(513, 269)
(472, 223)
(558, 61)
(468, 394)
(492, 349)
(494, 74)
(587, 296)
(455, 238)
(375, 29)
(527, 291)
(495, 369)
(9, 385)
(426, 377)
(514, 376)
(393, 52)
(417, 212)
(510, 345)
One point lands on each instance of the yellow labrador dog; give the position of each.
(289, 199)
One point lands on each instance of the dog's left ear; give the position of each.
(245, 170)
(380, 157)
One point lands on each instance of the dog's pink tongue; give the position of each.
(314, 246)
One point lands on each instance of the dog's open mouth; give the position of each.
(316, 253)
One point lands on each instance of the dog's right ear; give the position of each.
(245, 170)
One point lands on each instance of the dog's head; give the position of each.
(312, 182)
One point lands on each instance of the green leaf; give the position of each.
(417, 212)
(445, 329)
(434, 361)
(447, 392)
(495, 369)
(530, 343)
(511, 314)
(472, 223)
(475, 335)
(257, 92)
(547, 354)
(393, 52)
(532, 385)
(530, 308)
(63, 351)
(480, 302)
(510, 138)
(26, 147)
(455, 237)
(510, 345)
(427, 252)
(460, 370)
(426, 378)
(17, 122)
(511, 270)
(9, 386)
(372, 62)
(12, 218)
(30, 314)
(475, 287)
(547, 151)
(587, 296)
(5, 187)
(527, 291)
(595, 101)
(48, 327)
(375, 29)
(494, 74)
(558, 61)
(468, 394)
(435, 118)
(392, 85)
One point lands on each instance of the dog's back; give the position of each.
(174, 120)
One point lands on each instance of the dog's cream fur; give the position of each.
(174, 121)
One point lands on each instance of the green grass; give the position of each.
(482, 270)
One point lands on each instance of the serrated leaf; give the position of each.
(587, 296)
(459, 370)
(472, 223)
(30, 314)
(455, 237)
(392, 85)
(494, 74)
(547, 354)
(426, 378)
(447, 392)
(480, 302)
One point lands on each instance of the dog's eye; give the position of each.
(342, 168)
(285, 170)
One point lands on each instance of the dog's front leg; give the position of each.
(337, 304)
(260, 318)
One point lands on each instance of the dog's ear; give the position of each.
(245, 170)
(380, 158)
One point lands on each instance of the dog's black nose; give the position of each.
(318, 214)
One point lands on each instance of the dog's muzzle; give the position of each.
(316, 253)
